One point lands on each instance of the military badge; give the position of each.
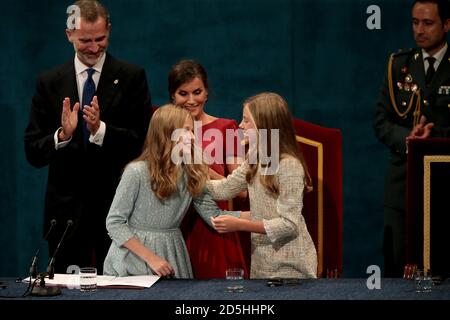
(444, 90)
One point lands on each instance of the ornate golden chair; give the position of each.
(322, 149)
(427, 205)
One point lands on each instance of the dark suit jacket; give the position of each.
(82, 179)
(392, 130)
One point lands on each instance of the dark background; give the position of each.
(319, 55)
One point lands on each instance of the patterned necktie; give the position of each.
(88, 94)
(430, 71)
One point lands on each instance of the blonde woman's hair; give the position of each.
(270, 111)
(157, 150)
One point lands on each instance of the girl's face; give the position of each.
(246, 123)
(192, 95)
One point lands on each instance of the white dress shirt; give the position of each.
(438, 56)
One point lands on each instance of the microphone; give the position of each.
(50, 267)
(33, 270)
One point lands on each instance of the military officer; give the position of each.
(414, 103)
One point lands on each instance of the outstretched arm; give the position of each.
(230, 186)
(207, 208)
(225, 223)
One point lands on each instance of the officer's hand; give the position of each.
(422, 130)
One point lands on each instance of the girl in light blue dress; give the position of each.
(152, 198)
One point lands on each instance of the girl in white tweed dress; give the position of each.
(281, 244)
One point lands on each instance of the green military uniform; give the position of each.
(403, 98)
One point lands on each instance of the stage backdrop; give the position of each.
(320, 55)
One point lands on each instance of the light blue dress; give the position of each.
(137, 212)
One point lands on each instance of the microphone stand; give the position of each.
(42, 290)
(33, 270)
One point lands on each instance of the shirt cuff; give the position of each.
(236, 214)
(62, 144)
(99, 136)
(269, 231)
(121, 235)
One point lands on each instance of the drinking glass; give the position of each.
(88, 279)
(234, 278)
(424, 281)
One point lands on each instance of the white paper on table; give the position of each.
(73, 281)
(145, 281)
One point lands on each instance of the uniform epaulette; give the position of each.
(401, 52)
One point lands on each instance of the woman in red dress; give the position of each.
(211, 253)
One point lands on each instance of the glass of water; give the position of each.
(234, 278)
(88, 279)
(424, 281)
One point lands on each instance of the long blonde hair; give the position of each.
(157, 150)
(270, 111)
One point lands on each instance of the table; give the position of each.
(172, 295)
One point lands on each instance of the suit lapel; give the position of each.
(108, 84)
(68, 83)
(68, 88)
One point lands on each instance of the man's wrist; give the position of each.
(95, 130)
(62, 136)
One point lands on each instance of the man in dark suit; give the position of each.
(414, 103)
(88, 119)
